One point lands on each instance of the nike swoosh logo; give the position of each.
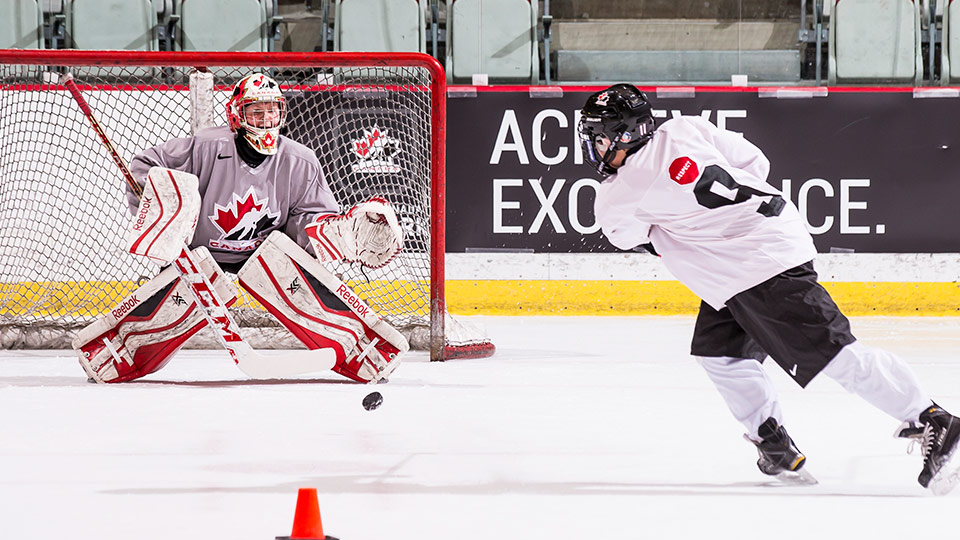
(794, 370)
(223, 157)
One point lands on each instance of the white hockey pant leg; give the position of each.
(749, 393)
(141, 334)
(320, 310)
(881, 378)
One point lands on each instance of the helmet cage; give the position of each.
(256, 88)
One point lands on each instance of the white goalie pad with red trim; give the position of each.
(368, 233)
(167, 216)
(320, 310)
(141, 334)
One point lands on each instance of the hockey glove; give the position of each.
(369, 233)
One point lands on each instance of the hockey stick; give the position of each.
(252, 363)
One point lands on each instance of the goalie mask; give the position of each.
(257, 110)
(619, 118)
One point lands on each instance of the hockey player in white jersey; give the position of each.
(698, 196)
(255, 203)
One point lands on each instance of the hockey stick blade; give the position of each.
(288, 364)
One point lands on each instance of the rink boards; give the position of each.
(592, 284)
(639, 284)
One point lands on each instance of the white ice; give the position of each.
(600, 428)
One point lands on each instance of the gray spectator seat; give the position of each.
(493, 37)
(113, 24)
(874, 41)
(222, 25)
(21, 24)
(950, 48)
(380, 26)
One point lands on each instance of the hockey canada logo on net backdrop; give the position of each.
(241, 221)
(376, 152)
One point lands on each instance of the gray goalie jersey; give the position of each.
(241, 205)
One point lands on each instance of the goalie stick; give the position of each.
(252, 363)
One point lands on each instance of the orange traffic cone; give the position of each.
(306, 519)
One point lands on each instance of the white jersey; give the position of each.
(700, 195)
(241, 205)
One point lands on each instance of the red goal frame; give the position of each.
(438, 97)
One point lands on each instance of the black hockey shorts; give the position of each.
(790, 316)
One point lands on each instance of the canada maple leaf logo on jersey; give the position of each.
(241, 221)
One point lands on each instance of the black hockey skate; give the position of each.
(941, 432)
(779, 456)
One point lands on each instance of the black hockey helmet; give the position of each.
(622, 115)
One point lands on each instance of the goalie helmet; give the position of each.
(253, 89)
(620, 114)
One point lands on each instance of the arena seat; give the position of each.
(874, 41)
(222, 25)
(950, 48)
(21, 25)
(380, 26)
(112, 24)
(493, 37)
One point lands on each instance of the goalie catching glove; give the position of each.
(369, 233)
(320, 310)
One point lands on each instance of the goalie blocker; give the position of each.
(320, 310)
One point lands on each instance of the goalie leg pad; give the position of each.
(141, 334)
(320, 310)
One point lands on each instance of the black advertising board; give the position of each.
(871, 170)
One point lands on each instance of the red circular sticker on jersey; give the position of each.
(683, 170)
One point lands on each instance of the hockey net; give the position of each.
(376, 122)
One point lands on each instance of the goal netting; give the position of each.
(376, 122)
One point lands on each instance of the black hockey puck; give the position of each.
(372, 401)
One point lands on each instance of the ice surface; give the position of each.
(600, 428)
